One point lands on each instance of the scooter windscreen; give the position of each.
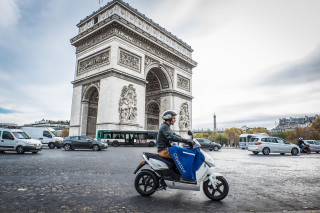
(196, 144)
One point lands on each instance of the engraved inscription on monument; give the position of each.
(93, 62)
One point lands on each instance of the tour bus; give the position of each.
(245, 138)
(128, 137)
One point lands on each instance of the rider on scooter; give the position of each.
(165, 135)
(301, 143)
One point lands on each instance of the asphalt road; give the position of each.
(87, 181)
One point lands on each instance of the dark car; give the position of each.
(206, 144)
(83, 142)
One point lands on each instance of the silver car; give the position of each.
(268, 145)
(314, 145)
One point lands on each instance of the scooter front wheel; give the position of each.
(146, 183)
(219, 192)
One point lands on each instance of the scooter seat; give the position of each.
(168, 162)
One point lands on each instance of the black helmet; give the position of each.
(167, 115)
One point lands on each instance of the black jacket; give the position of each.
(165, 136)
(300, 142)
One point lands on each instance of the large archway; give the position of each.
(152, 116)
(157, 83)
(91, 100)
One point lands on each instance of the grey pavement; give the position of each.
(88, 181)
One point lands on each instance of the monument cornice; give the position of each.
(132, 21)
(164, 93)
(114, 27)
(120, 7)
(116, 18)
(120, 123)
(108, 73)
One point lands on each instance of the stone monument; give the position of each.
(129, 70)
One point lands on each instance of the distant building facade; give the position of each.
(290, 123)
(247, 128)
(57, 125)
(9, 125)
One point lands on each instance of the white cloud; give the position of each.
(9, 14)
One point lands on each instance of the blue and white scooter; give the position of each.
(162, 173)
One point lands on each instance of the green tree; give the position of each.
(233, 135)
(258, 130)
(221, 138)
(65, 133)
(214, 135)
(280, 135)
(291, 136)
(304, 133)
(315, 129)
(202, 135)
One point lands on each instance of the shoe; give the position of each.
(187, 181)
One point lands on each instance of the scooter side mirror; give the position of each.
(189, 132)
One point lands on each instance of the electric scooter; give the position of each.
(163, 173)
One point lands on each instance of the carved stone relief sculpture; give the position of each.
(129, 60)
(183, 83)
(86, 86)
(148, 60)
(170, 70)
(135, 40)
(92, 62)
(92, 112)
(128, 104)
(184, 118)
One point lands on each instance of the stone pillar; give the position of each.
(84, 117)
(75, 112)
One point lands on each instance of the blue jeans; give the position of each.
(301, 146)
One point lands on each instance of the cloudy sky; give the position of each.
(258, 60)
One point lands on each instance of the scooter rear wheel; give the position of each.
(146, 183)
(221, 191)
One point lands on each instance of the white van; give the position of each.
(19, 141)
(245, 138)
(48, 136)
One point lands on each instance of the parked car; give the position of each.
(83, 142)
(47, 135)
(314, 145)
(206, 144)
(17, 140)
(268, 145)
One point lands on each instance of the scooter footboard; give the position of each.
(185, 186)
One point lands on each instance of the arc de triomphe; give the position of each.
(129, 70)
